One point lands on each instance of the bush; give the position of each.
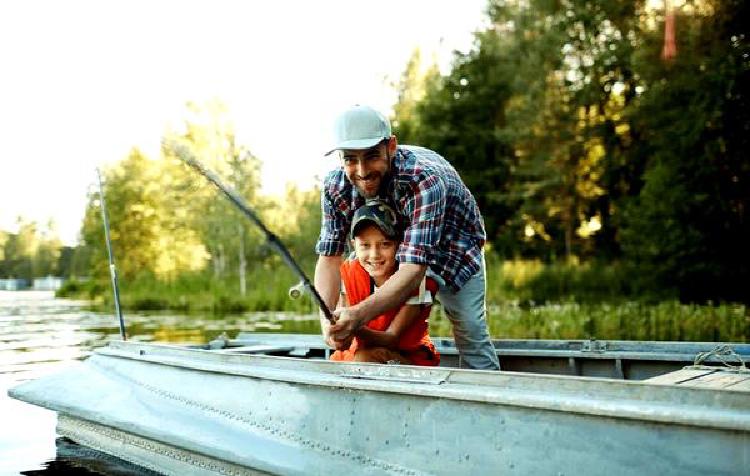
(70, 288)
(531, 281)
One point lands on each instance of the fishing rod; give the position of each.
(184, 154)
(112, 269)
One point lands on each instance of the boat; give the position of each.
(272, 403)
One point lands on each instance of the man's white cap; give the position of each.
(360, 127)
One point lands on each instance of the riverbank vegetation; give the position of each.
(523, 303)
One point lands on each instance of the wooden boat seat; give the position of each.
(706, 377)
(257, 349)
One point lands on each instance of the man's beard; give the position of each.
(384, 178)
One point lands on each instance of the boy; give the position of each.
(400, 334)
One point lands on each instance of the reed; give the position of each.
(663, 321)
(266, 290)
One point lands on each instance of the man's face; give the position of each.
(367, 169)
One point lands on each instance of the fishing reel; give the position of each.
(296, 291)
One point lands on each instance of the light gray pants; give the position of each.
(467, 311)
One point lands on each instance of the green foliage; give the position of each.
(164, 219)
(630, 320)
(459, 116)
(526, 282)
(86, 289)
(579, 141)
(199, 292)
(229, 239)
(71, 288)
(689, 228)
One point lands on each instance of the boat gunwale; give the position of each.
(552, 348)
(634, 400)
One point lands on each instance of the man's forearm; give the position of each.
(394, 292)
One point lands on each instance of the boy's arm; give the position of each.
(389, 338)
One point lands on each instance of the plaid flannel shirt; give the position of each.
(442, 224)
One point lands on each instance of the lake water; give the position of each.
(40, 334)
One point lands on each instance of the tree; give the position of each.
(296, 219)
(416, 79)
(45, 260)
(459, 116)
(228, 238)
(578, 139)
(143, 222)
(20, 249)
(566, 120)
(689, 227)
(31, 252)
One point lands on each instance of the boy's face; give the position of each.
(376, 253)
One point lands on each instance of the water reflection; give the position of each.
(37, 330)
(75, 459)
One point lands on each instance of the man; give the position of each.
(444, 232)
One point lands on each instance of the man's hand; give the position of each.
(347, 323)
(342, 344)
(339, 344)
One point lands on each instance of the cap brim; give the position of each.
(356, 144)
(389, 232)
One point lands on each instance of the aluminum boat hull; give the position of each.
(178, 410)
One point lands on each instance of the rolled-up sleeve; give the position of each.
(424, 209)
(332, 239)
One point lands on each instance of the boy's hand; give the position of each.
(347, 323)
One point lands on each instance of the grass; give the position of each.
(664, 321)
(531, 281)
(266, 290)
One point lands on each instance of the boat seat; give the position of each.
(706, 377)
(257, 349)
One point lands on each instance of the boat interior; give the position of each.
(621, 360)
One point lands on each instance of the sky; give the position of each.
(83, 82)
